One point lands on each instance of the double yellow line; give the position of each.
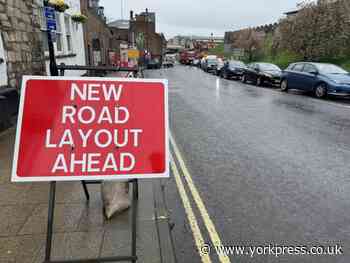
(197, 235)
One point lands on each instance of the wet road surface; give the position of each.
(271, 168)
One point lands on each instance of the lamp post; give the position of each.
(53, 64)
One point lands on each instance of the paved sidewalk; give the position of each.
(80, 230)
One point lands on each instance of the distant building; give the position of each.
(97, 34)
(143, 34)
(119, 39)
(196, 42)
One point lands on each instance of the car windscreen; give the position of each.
(330, 69)
(269, 67)
(212, 61)
(237, 64)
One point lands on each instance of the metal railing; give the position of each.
(136, 72)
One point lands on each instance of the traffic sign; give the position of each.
(133, 53)
(50, 13)
(51, 25)
(91, 129)
(50, 18)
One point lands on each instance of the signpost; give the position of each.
(91, 129)
(51, 26)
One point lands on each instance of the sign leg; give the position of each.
(86, 191)
(50, 222)
(137, 189)
(134, 216)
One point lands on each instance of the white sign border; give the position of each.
(16, 178)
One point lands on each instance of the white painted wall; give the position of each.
(3, 67)
(77, 35)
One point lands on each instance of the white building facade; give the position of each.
(69, 44)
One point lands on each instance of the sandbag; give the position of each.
(115, 196)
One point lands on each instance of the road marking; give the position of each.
(214, 236)
(197, 235)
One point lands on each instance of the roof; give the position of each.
(121, 24)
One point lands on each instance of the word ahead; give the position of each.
(91, 129)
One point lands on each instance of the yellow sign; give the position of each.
(133, 53)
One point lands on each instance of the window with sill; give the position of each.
(67, 24)
(59, 45)
(43, 28)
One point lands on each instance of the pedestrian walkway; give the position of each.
(80, 229)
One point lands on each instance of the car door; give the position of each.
(250, 72)
(255, 72)
(294, 76)
(309, 77)
(3, 69)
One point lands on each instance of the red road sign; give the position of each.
(91, 129)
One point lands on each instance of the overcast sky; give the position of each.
(202, 17)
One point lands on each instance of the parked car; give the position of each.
(219, 67)
(154, 63)
(196, 62)
(233, 69)
(210, 64)
(202, 63)
(169, 60)
(260, 73)
(319, 78)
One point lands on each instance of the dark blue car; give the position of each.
(320, 78)
(233, 69)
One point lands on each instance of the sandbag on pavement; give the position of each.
(115, 196)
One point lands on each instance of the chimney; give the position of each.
(131, 15)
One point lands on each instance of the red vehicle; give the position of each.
(187, 57)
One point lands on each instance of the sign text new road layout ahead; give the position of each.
(91, 129)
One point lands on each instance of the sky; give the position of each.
(202, 17)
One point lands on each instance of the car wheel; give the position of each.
(284, 85)
(244, 79)
(321, 90)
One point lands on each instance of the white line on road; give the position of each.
(214, 236)
(197, 235)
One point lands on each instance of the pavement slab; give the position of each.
(80, 228)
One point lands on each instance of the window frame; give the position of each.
(43, 28)
(311, 66)
(59, 33)
(68, 33)
(298, 64)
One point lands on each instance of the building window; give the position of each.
(58, 33)
(68, 33)
(43, 28)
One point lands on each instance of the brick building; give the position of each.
(97, 34)
(143, 34)
(119, 37)
(21, 42)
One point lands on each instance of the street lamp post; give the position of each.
(53, 64)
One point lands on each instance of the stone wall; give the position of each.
(20, 27)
